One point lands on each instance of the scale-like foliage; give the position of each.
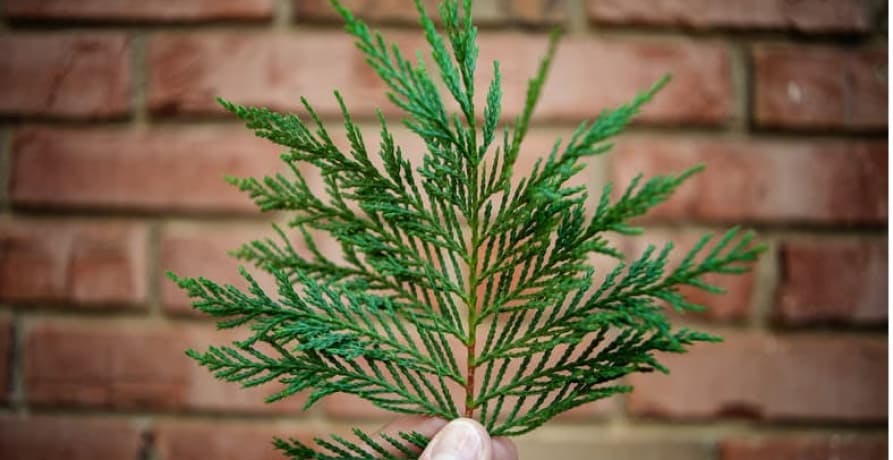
(459, 289)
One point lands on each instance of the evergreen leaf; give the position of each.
(455, 287)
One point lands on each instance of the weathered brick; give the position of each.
(768, 181)
(538, 11)
(402, 12)
(388, 11)
(73, 438)
(590, 75)
(800, 87)
(133, 365)
(140, 10)
(836, 281)
(189, 70)
(223, 441)
(798, 378)
(157, 169)
(837, 446)
(6, 350)
(811, 16)
(350, 407)
(734, 305)
(615, 449)
(82, 263)
(202, 250)
(65, 75)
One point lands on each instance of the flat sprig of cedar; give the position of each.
(455, 253)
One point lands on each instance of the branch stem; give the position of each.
(470, 342)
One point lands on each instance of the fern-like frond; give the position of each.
(457, 288)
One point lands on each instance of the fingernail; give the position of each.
(459, 440)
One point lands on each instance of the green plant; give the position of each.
(451, 254)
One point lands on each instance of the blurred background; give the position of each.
(112, 153)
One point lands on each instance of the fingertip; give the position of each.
(477, 426)
(462, 438)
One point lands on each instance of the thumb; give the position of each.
(461, 439)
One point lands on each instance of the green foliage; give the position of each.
(452, 254)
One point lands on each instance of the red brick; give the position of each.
(7, 347)
(589, 76)
(65, 75)
(349, 407)
(609, 447)
(734, 305)
(388, 11)
(81, 438)
(403, 12)
(157, 169)
(836, 281)
(538, 11)
(140, 10)
(795, 378)
(223, 441)
(798, 87)
(133, 365)
(767, 181)
(836, 446)
(78, 262)
(188, 70)
(811, 16)
(202, 250)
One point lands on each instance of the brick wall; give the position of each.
(112, 152)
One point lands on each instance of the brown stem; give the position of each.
(469, 380)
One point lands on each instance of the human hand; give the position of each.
(461, 439)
